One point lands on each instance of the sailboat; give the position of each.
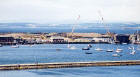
(133, 51)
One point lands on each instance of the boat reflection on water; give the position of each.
(58, 49)
(72, 47)
(98, 49)
(116, 55)
(88, 52)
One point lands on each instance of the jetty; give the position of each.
(68, 65)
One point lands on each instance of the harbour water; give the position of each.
(45, 53)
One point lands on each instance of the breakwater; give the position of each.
(68, 64)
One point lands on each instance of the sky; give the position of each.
(67, 11)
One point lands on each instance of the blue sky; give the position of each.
(66, 11)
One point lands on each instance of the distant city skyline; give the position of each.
(67, 11)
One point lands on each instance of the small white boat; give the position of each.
(109, 50)
(72, 47)
(98, 49)
(0, 45)
(86, 48)
(116, 55)
(124, 43)
(119, 50)
(15, 46)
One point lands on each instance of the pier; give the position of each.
(68, 65)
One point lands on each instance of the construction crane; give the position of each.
(103, 22)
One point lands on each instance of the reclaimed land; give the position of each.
(68, 64)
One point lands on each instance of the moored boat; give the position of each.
(86, 48)
(119, 50)
(109, 50)
(0, 45)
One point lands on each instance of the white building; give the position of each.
(102, 39)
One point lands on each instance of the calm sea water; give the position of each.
(81, 30)
(46, 53)
(113, 71)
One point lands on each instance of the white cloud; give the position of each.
(52, 11)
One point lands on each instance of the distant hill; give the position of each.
(81, 25)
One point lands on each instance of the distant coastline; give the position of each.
(68, 37)
(114, 27)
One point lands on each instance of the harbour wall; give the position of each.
(68, 65)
